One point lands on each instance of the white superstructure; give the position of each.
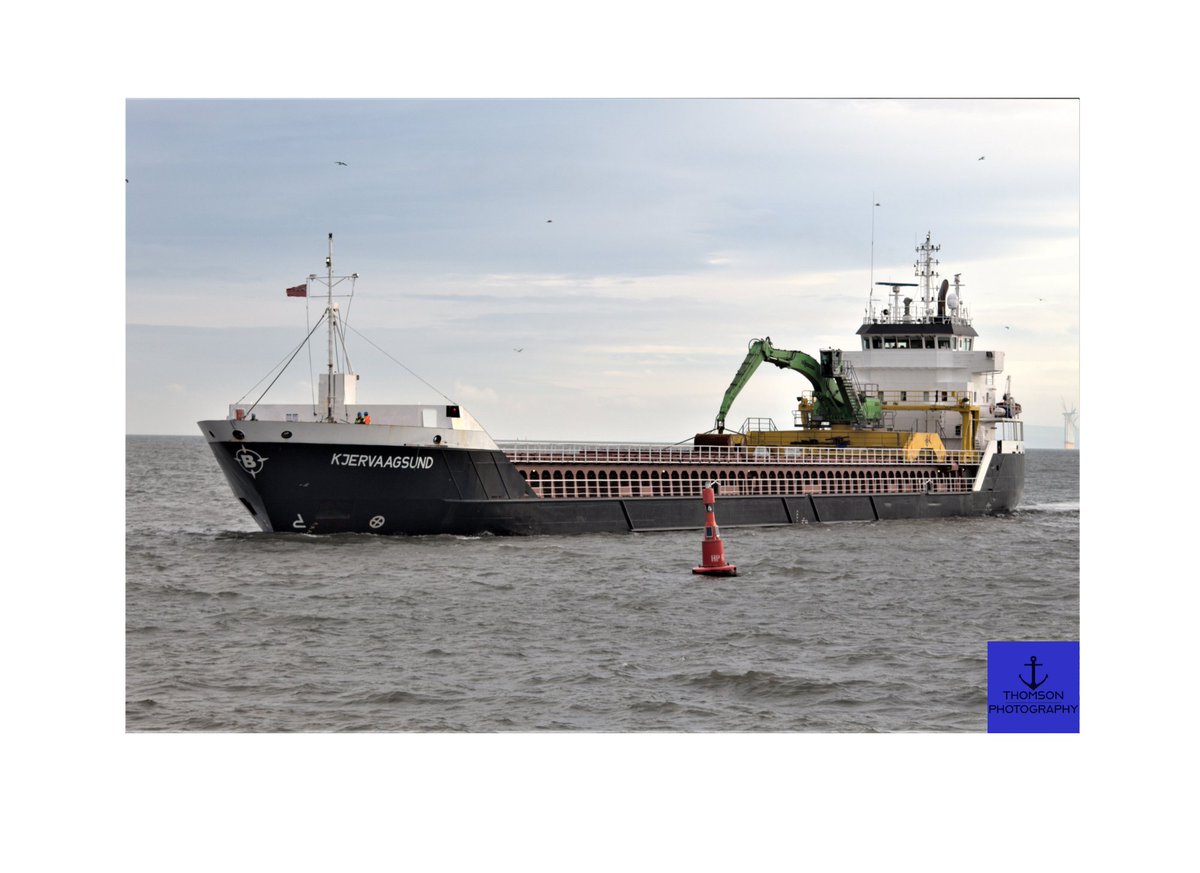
(920, 358)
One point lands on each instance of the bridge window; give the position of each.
(943, 342)
(876, 342)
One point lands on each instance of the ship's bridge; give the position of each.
(947, 335)
(938, 319)
(919, 350)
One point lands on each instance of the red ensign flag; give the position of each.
(298, 291)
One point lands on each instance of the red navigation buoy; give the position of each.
(712, 550)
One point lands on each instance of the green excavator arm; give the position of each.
(833, 392)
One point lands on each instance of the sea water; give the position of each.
(850, 627)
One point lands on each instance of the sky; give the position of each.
(584, 269)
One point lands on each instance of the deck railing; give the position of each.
(673, 455)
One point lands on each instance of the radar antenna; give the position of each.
(896, 286)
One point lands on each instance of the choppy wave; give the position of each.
(763, 683)
(1050, 507)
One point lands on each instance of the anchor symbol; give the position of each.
(1033, 682)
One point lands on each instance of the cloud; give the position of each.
(473, 394)
(680, 230)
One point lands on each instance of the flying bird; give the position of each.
(344, 164)
(549, 221)
(981, 157)
(520, 349)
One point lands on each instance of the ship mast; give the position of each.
(925, 270)
(332, 382)
(330, 316)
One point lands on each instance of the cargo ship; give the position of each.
(911, 424)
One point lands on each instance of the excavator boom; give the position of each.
(834, 395)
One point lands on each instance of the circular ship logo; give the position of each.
(252, 462)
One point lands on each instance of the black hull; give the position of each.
(315, 488)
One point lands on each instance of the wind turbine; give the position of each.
(1070, 426)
